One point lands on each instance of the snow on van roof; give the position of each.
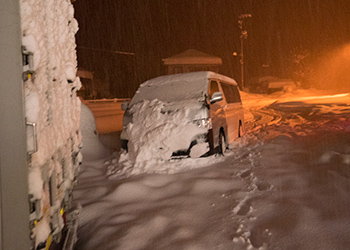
(192, 76)
(178, 87)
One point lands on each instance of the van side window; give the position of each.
(228, 92)
(231, 93)
(236, 94)
(213, 88)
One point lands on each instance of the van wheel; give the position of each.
(222, 143)
(240, 130)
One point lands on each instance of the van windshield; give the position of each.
(171, 91)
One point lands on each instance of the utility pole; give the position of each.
(244, 35)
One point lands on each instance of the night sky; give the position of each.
(157, 29)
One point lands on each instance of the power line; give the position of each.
(109, 51)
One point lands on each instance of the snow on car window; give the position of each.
(173, 88)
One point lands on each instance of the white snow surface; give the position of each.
(284, 185)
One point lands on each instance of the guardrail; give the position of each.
(108, 114)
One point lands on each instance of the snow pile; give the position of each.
(119, 167)
(92, 149)
(48, 30)
(187, 210)
(159, 129)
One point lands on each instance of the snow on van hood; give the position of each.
(158, 129)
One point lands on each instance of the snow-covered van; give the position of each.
(195, 113)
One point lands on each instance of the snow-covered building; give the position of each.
(191, 60)
(39, 98)
(51, 103)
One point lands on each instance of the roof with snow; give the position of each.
(192, 56)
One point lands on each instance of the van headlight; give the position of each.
(203, 123)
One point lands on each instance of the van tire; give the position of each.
(222, 143)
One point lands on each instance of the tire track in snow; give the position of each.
(263, 118)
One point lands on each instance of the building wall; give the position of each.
(48, 35)
(185, 68)
(14, 231)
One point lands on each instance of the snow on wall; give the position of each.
(48, 31)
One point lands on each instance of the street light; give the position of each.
(244, 35)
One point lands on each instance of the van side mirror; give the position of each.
(216, 97)
(125, 106)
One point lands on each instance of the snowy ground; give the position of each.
(285, 185)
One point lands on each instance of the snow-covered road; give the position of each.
(305, 158)
(285, 185)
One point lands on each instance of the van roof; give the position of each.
(191, 77)
(177, 87)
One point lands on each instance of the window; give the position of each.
(231, 93)
(236, 94)
(177, 70)
(195, 68)
(213, 88)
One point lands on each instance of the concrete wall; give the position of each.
(13, 153)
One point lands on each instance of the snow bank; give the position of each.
(157, 211)
(48, 33)
(92, 149)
